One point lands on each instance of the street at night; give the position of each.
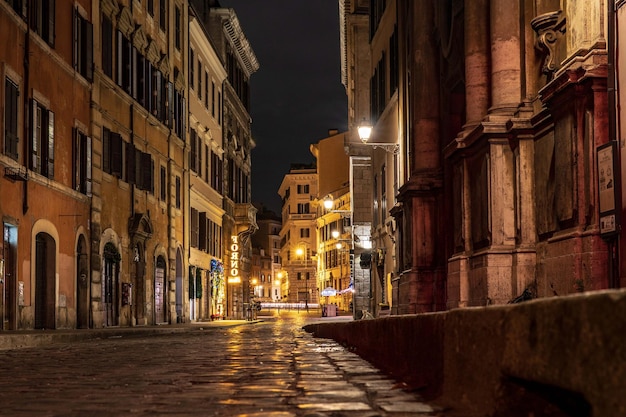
(266, 368)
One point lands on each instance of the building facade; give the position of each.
(239, 220)
(46, 180)
(266, 241)
(298, 192)
(498, 112)
(136, 143)
(207, 283)
(335, 242)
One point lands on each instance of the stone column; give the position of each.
(506, 55)
(476, 60)
(420, 196)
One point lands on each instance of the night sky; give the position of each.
(296, 94)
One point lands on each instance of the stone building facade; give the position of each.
(102, 190)
(298, 240)
(499, 111)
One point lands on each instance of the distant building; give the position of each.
(298, 192)
(335, 234)
(267, 242)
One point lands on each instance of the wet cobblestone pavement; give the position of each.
(272, 368)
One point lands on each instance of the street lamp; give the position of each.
(301, 252)
(365, 132)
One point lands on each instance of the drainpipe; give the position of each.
(613, 243)
(27, 110)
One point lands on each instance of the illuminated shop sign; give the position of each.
(233, 274)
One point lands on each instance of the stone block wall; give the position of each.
(560, 356)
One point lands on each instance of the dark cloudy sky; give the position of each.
(297, 93)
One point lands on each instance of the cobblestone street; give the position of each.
(271, 368)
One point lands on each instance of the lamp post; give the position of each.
(302, 252)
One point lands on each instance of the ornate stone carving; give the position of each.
(140, 41)
(164, 65)
(110, 8)
(549, 27)
(152, 52)
(125, 22)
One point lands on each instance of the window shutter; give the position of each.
(145, 182)
(88, 167)
(34, 161)
(106, 149)
(116, 154)
(87, 50)
(194, 227)
(192, 283)
(170, 104)
(192, 151)
(10, 120)
(50, 144)
(131, 175)
(202, 238)
(76, 159)
(76, 41)
(51, 19)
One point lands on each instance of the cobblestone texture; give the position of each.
(267, 369)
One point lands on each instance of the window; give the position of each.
(178, 189)
(303, 208)
(213, 99)
(107, 46)
(206, 90)
(202, 241)
(42, 19)
(83, 46)
(199, 80)
(194, 228)
(163, 186)
(112, 152)
(305, 232)
(207, 152)
(150, 7)
(219, 110)
(162, 14)
(42, 140)
(11, 112)
(82, 162)
(177, 28)
(216, 172)
(18, 5)
(124, 66)
(192, 151)
(303, 188)
(192, 63)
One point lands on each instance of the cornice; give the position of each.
(239, 42)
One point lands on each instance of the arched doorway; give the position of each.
(45, 281)
(110, 284)
(160, 312)
(179, 287)
(82, 284)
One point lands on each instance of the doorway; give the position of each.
(159, 291)
(9, 278)
(82, 285)
(45, 281)
(110, 283)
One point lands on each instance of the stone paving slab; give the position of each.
(272, 368)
